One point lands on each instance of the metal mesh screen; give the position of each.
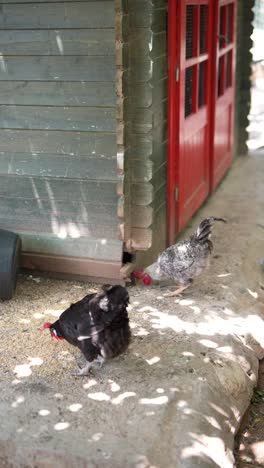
(229, 22)
(202, 84)
(222, 26)
(203, 28)
(189, 30)
(220, 76)
(228, 79)
(188, 90)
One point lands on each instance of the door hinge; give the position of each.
(177, 73)
(176, 193)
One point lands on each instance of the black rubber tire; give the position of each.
(10, 249)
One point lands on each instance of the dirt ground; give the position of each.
(150, 407)
(250, 440)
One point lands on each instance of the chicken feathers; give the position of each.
(183, 261)
(98, 325)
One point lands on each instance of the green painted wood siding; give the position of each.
(59, 181)
(145, 96)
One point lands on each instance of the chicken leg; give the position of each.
(177, 292)
(84, 370)
(100, 360)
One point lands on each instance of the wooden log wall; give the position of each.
(145, 95)
(58, 144)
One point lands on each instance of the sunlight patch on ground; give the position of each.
(195, 309)
(24, 370)
(147, 309)
(153, 360)
(75, 407)
(218, 409)
(141, 332)
(185, 302)
(90, 384)
(214, 325)
(212, 447)
(114, 386)
(154, 401)
(24, 321)
(20, 399)
(99, 396)
(44, 412)
(182, 404)
(208, 343)
(257, 448)
(38, 315)
(228, 312)
(61, 426)
(225, 349)
(16, 382)
(133, 325)
(213, 422)
(96, 437)
(120, 398)
(150, 413)
(252, 293)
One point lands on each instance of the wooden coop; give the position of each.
(116, 123)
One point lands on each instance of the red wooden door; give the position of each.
(189, 80)
(201, 66)
(223, 43)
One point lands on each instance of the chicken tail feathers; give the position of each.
(205, 228)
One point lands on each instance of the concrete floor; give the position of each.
(177, 397)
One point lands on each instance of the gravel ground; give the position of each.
(128, 413)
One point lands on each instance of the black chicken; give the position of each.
(98, 325)
(183, 261)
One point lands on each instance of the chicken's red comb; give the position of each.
(144, 277)
(138, 274)
(46, 325)
(147, 281)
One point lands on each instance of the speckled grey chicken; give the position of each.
(183, 261)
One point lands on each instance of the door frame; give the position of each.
(173, 120)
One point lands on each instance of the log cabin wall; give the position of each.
(58, 143)
(145, 90)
